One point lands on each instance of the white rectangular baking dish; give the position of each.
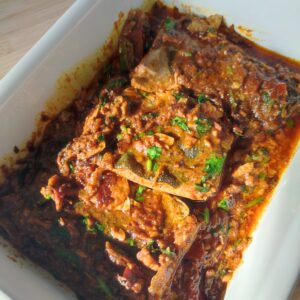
(272, 261)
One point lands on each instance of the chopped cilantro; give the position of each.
(267, 99)
(100, 138)
(232, 100)
(202, 186)
(180, 122)
(104, 100)
(254, 202)
(167, 251)
(152, 246)
(223, 203)
(237, 131)
(178, 95)
(262, 175)
(244, 188)
(131, 242)
(149, 165)
(154, 152)
(211, 29)
(139, 194)
(99, 227)
(96, 228)
(214, 165)
(188, 53)
(260, 155)
(203, 126)
(201, 98)
(229, 69)
(149, 132)
(169, 24)
(155, 167)
(149, 115)
(206, 215)
(71, 167)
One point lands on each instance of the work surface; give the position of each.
(22, 24)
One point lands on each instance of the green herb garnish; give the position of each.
(154, 152)
(71, 167)
(169, 24)
(201, 98)
(202, 186)
(214, 165)
(260, 155)
(131, 242)
(99, 227)
(168, 251)
(100, 138)
(149, 115)
(180, 122)
(223, 204)
(232, 100)
(139, 194)
(155, 166)
(262, 175)
(267, 99)
(254, 202)
(203, 126)
(149, 165)
(178, 95)
(244, 188)
(206, 215)
(229, 69)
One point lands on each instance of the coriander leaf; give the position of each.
(260, 155)
(262, 175)
(223, 204)
(201, 98)
(167, 251)
(139, 193)
(149, 165)
(180, 122)
(203, 126)
(169, 24)
(214, 165)
(71, 167)
(154, 152)
(267, 99)
(99, 227)
(178, 95)
(100, 138)
(131, 242)
(206, 215)
(254, 202)
(149, 115)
